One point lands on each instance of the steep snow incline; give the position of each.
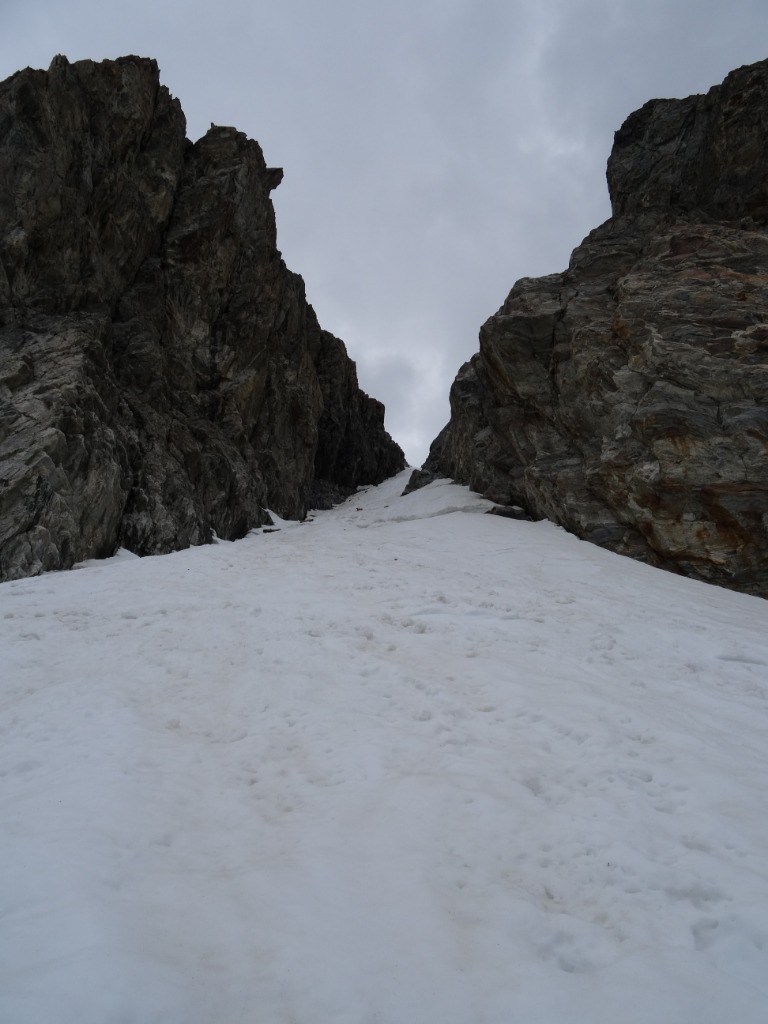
(403, 763)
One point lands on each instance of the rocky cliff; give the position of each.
(162, 376)
(626, 399)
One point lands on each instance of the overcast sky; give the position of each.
(434, 150)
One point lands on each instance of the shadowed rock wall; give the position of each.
(627, 398)
(162, 376)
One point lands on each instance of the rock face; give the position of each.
(162, 376)
(626, 399)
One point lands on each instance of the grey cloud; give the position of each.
(434, 150)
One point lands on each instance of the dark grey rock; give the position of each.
(162, 376)
(626, 399)
(509, 512)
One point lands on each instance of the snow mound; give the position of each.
(447, 768)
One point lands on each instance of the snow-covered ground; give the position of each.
(404, 764)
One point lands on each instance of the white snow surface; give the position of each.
(403, 764)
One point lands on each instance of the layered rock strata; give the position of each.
(162, 376)
(626, 399)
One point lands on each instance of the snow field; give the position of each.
(405, 762)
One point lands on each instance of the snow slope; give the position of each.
(404, 764)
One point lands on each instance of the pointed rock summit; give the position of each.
(162, 376)
(626, 399)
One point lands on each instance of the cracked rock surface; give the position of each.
(162, 376)
(626, 399)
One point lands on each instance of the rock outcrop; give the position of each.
(626, 399)
(162, 377)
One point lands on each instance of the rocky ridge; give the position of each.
(162, 376)
(626, 399)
